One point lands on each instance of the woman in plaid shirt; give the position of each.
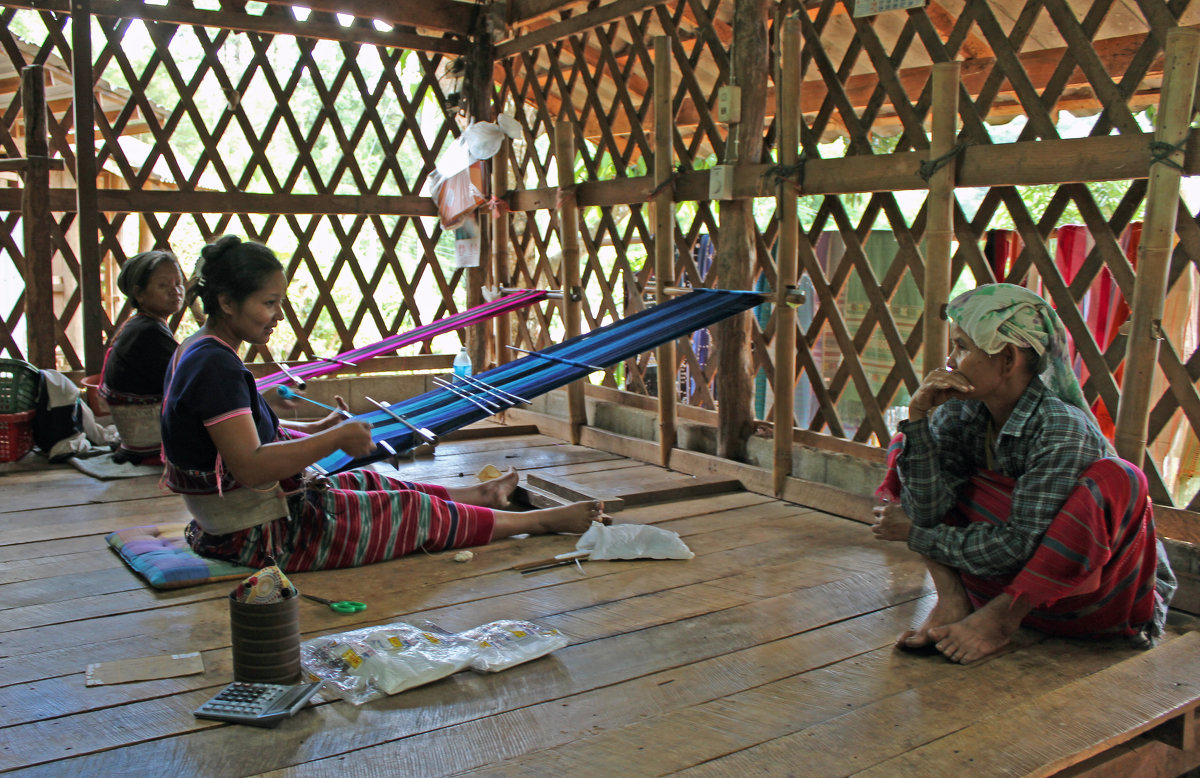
(1002, 481)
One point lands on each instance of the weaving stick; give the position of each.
(484, 389)
(429, 436)
(455, 390)
(560, 360)
(297, 380)
(503, 395)
(338, 361)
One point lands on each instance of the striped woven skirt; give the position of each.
(354, 518)
(1094, 573)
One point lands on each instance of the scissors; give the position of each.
(341, 606)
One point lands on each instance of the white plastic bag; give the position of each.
(500, 645)
(373, 662)
(632, 541)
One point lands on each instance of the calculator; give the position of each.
(258, 704)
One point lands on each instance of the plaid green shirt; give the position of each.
(1044, 445)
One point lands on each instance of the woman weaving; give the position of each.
(241, 471)
(131, 381)
(1012, 495)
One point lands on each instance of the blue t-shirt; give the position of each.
(137, 360)
(208, 384)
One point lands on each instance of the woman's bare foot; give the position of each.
(575, 517)
(952, 605)
(496, 493)
(944, 613)
(981, 633)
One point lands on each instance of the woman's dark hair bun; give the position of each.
(232, 267)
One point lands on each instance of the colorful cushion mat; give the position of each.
(160, 554)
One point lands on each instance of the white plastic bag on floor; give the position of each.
(500, 645)
(632, 541)
(370, 663)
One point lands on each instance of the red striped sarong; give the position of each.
(1093, 574)
(361, 518)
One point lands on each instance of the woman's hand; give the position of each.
(937, 387)
(278, 402)
(334, 418)
(891, 522)
(354, 437)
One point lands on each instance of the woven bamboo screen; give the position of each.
(866, 92)
(239, 123)
(317, 136)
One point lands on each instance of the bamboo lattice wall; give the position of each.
(285, 152)
(241, 123)
(864, 80)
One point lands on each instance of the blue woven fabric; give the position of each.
(441, 411)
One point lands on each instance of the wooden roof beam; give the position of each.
(522, 12)
(274, 24)
(445, 15)
(542, 34)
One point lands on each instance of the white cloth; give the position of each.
(75, 446)
(632, 541)
(60, 390)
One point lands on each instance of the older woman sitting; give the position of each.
(1002, 481)
(131, 380)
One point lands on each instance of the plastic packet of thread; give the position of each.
(374, 662)
(500, 645)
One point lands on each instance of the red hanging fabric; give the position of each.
(1115, 313)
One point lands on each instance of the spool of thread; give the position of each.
(266, 641)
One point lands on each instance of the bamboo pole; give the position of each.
(500, 223)
(569, 276)
(88, 218)
(1158, 239)
(787, 261)
(35, 218)
(664, 238)
(939, 229)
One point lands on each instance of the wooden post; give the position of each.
(939, 229)
(40, 323)
(734, 263)
(88, 213)
(480, 96)
(1158, 239)
(500, 223)
(787, 261)
(664, 238)
(568, 272)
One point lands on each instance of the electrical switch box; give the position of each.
(720, 182)
(729, 104)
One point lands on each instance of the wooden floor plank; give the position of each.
(462, 602)
(769, 652)
(580, 666)
(1069, 724)
(593, 719)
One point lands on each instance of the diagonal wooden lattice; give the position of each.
(209, 112)
(865, 79)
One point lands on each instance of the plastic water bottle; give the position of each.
(462, 363)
